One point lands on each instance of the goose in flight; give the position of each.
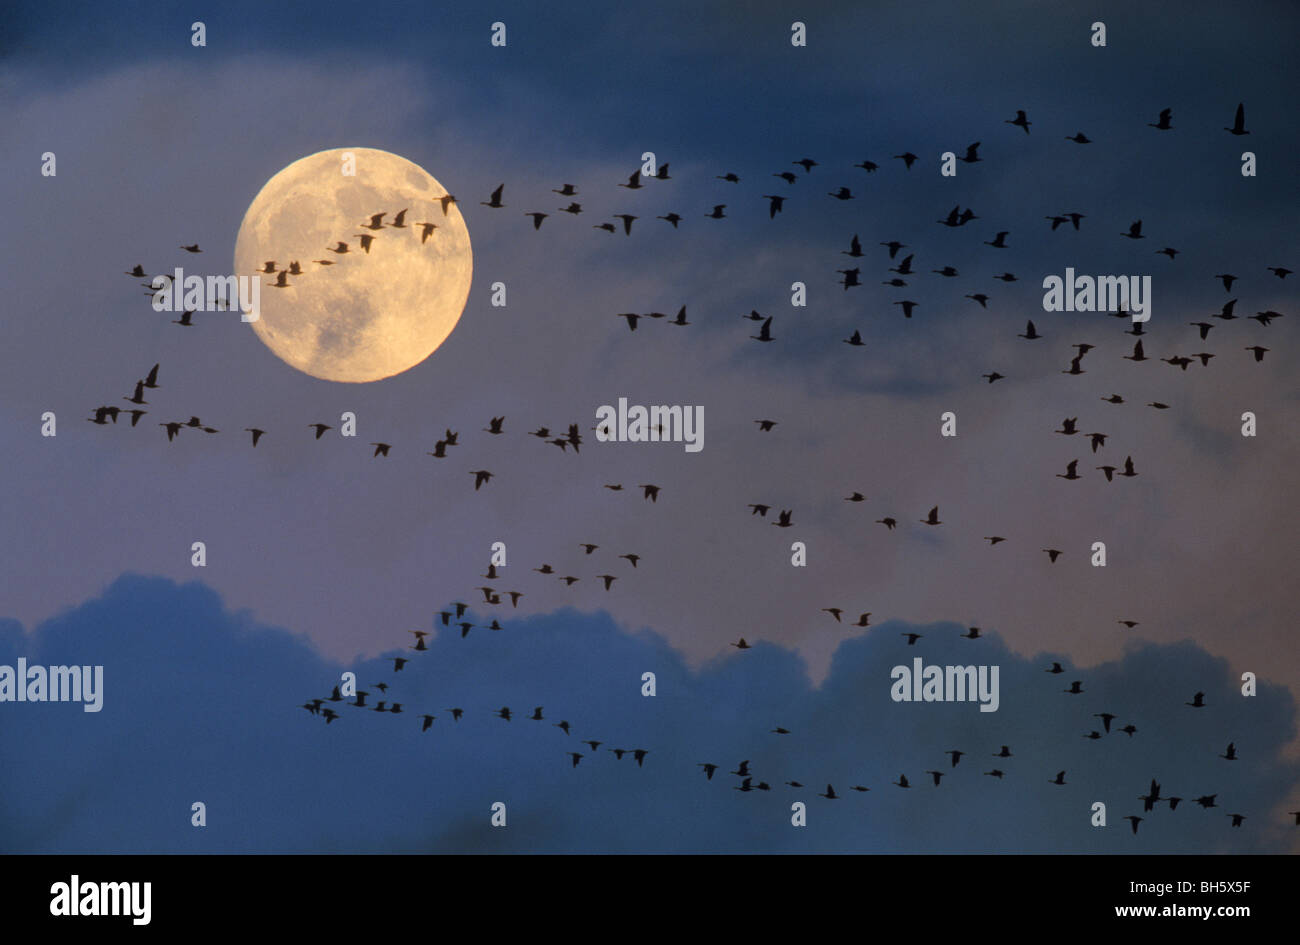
(633, 181)
(1019, 121)
(194, 247)
(717, 213)
(907, 157)
(1134, 230)
(1198, 701)
(775, 206)
(765, 332)
(537, 219)
(375, 222)
(1163, 123)
(494, 201)
(480, 476)
(1238, 127)
(1079, 138)
(932, 518)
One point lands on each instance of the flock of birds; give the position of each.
(747, 779)
(897, 276)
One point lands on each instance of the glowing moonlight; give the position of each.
(368, 315)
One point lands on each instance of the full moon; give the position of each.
(358, 315)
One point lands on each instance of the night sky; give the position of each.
(322, 558)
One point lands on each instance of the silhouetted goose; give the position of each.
(633, 181)
(902, 781)
(1258, 351)
(829, 794)
(1167, 251)
(1005, 277)
(1230, 753)
(868, 166)
(912, 638)
(887, 522)
(1059, 779)
(609, 579)
(566, 191)
(1198, 701)
(907, 157)
(320, 428)
(742, 645)
(339, 247)
(366, 241)
(480, 476)
(574, 208)
(842, 194)
(1138, 354)
(1163, 123)
(995, 376)
(979, 297)
(1068, 426)
(908, 306)
(494, 201)
(730, 177)
(947, 272)
(1238, 128)
(1076, 688)
(855, 339)
(537, 219)
(138, 271)
(932, 518)
(775, 206)
(1128, 467)
(1134, 230)
(1020, 121)
(1098, 440)
(651, 492)
(834, 612)
(1030, 332)
(381, 449)
(717, 213)
(672, 218)
(1070, 472)
(764, 333)
(185, 319)
(708, 769)
(783, 519)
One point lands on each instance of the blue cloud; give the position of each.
(202, 704)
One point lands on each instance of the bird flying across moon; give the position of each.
(372, 314)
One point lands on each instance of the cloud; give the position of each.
(202, 704)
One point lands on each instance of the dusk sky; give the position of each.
(322, 557)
